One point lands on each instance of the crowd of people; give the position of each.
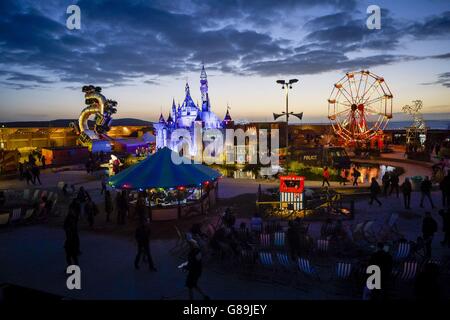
(30, 171)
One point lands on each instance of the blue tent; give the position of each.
(159, 171)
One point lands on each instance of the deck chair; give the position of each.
(357, 231)
(285, 269)
(28, 214)
(60, 185)
(247, 264)
(343, 270)
(408, 272)
(305, 267)
(4, 218)
(322, 245)
(403, 251)
(279, 239)
(266, 262)
(370, 235)
(181, 243)
(15, 215)
(36, 195)
(49, 195)
(26, 194)
(264, 240)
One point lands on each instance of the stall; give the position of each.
(171, 190)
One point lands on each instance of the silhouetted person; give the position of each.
(293, 240)
(427, 286)
(142, 236)
(383, 260)
(374, 191)
(429, 227)
(91, 211)
(28, 176)
(425, 189)
(343, 175)
(194, 268)
(386, 182)
(325, 177)
(445, 190)
(72, 243)
(394, 183)
(122, 206)
(21, 170)
(109, 208)
(36, 173)
(43, 162)
(103, 186)
(141, 210)
(356, 174)
(406, 190)
(445, 214)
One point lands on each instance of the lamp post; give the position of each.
(286, 85)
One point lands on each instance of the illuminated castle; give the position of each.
(186, 115)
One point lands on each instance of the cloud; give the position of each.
(443, 79)
(121, 41)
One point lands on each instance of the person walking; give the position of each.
(406, 190)
(72, 243)
(445, 214)
(325, 177)
(43, 161)
(103, 186)
(36, 173)
(194, 268)
(394, 183)
(122, 207)
(386, 181)
(142, 236)
(21, 170)
(91, 210)
(374, 191)
(356, 174)
(343, 176)
(27, 175)
(429, 227)
(141, 210)
(109, 208)
(445, 190)
(425, 189)
(383, 260)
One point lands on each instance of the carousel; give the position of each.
(171, 191)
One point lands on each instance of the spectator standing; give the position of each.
(406, 190)
(394, 183)
(142, 236)
(429, 227)
(425, 189)
(325, 177)
(109, 208)
(374, 191)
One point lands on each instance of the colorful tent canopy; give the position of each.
(159, 171)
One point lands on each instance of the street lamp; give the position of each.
(286, 85)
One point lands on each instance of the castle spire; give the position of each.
(204, 89)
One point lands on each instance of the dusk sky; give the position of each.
(142, 53)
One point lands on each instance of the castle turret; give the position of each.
(204, 90)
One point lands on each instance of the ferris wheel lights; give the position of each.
(366, 72)
(380, 80)
(331, 101)
(388, 96)
(350, 75)
(338, 86)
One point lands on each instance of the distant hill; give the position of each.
(62, 123)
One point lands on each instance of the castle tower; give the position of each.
(204, 90)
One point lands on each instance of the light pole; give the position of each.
(286, 85)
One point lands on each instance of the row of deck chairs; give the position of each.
(37, 194)
(279, 268)
(16, 217)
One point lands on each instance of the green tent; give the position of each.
(159, 171)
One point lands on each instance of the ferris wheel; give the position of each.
(360, 106)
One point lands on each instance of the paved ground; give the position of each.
(33, 256)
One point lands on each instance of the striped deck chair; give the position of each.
(279, 239)
(16, 215)
(264, 240)
(28, 214)
(36, 195)
(26, 194)
(266, 262)
(247, 263)
(403, 251)
(357, 231)
(286, 272)
(409, 271)
(368, 232)
(343, 270)
(60, 185)
(4, 218)
(322, 245)
(50, 195)
(305, 267)
(284, 261)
